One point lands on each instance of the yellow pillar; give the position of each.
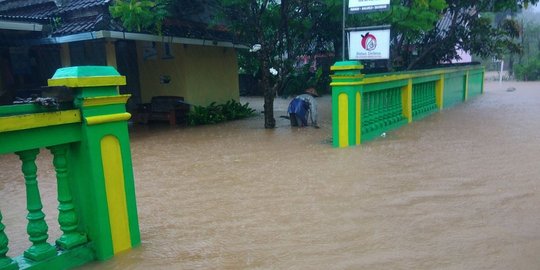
(439, 92)
(116, 195)
(110, 50)
(64, 55)
(406, 98)
(343, 100)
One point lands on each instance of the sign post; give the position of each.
(343, 31)
(359, 6)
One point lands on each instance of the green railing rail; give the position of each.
(365, 106)
(381, 109)
(92, 160)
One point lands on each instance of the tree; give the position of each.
(140, 15)
(471, 31)
(528, 67)
(285, 30)
(530, 39)
(427, 33)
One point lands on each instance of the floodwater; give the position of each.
(457, 190)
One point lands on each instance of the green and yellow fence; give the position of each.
(365, 106)
(91, 155)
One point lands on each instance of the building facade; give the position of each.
(189, 59)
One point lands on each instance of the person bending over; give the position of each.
(303, 109)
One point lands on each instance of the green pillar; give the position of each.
(67, 216)
(346, 103)
(37, 227)
(6, 263)
(100, 165)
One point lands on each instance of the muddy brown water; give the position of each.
(457, 190)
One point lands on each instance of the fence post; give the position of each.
(466, 87)
(346, 103)
(482, 80)
(439, 92)
(406, 97)
(67, 216)
(37, 227)
(6, 263)
(100, 167)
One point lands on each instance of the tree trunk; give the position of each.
(269, 121)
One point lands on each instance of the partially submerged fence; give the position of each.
(92, 160)
(365, 106)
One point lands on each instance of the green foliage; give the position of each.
(248, 63)
(417, 41)
(212, 114)
(140, 15)
(302, 78)
(530, 40)
(186, 8)
(529, 71)
(471, 29)
(409, 19)
(493, 42)
(233, 110)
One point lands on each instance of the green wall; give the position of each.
(476, 81)
(454, 84)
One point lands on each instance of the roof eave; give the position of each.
(138, 36)
(21, 26)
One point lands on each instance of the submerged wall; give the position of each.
(367, 106)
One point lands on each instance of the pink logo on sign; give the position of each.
(369, 42)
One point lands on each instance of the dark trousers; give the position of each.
(296, 120)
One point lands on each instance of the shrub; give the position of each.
(529, 71)
(212, 114)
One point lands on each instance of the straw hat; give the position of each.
(312, 91)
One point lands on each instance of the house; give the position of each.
(190, 59)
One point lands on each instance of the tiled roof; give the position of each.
(15, 4)
(23, 19)
(76, 5)
(86, 24)
(79, 16)
(37, 11)
(46, 8)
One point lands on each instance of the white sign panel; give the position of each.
(357, 6)
(369, 44)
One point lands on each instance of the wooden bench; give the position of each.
(165, 108)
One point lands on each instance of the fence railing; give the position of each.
(365, 106)
(91, 157)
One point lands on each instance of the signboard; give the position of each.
(358, 6)
(369, 44)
